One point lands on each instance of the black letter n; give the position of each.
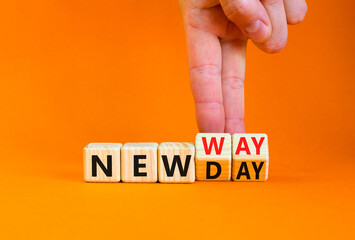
(96, 160)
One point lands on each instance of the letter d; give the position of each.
(208, 170)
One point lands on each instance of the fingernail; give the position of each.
(257, 31)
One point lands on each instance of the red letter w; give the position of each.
(213, 142)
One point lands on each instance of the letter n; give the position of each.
(96, 160)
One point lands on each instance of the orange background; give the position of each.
(75, 72)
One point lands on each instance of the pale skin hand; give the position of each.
(217, 32)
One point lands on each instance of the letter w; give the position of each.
(176, 160)
(213, 142)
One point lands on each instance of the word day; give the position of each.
(214, 157)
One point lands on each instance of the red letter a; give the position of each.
(242, 141)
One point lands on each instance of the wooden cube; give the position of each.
(213, 156)
(139, 162)
(250, 157)
(102, 162)
(176, 162)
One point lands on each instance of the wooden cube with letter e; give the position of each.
(139, 162)
(250, 157)
(213, 156)
(102, 162)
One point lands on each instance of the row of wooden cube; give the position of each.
(217, 157)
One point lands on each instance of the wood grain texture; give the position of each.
(102, 151)
(250, 157)
(147, 165)
(171, 153)
(211, 148)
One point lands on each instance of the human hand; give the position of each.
(217, 32)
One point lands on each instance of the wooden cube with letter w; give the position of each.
(213, 156)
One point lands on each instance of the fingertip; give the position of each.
(210, 117)
(250, 16)
(235, 126)
(295, 11)
(258, 31)
(297, 17)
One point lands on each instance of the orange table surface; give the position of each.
(51, 201)
(75, 72)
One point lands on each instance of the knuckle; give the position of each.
(210, 104)
(207, 70)
(232, 8)
(205, 81)
(233, 82)
(271, 3)
(236, 120)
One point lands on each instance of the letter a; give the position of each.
(242, 141)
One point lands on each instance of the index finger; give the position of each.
(204, 53)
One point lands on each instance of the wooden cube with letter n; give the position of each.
(176, 162)
(213, 156)
(139, 162)
(250, 157)
(102, 162)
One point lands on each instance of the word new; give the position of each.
(214, 157)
